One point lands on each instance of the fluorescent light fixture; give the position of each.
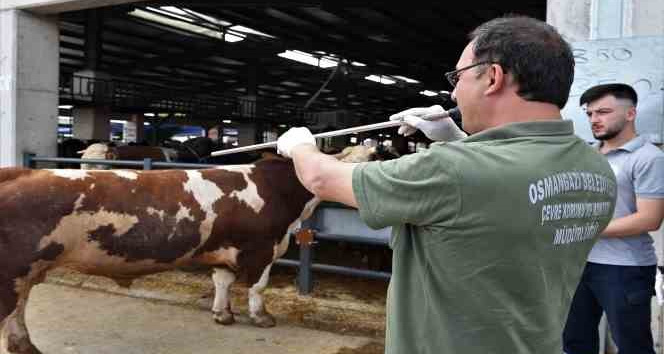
(380, 79)
(406, 79)
(248, 30)
(227, 121)
(429, 93)
(148, 114)
(65, 120)
(307, 58)
(231, 38)
(290, 84)
(357, 63)
(171, 11)
(208, 18)
(147, 124)
(118, 121)
(283, 126)
(65, 106)
(327, 63)
(158, 17)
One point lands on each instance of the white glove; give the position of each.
(432, 121)
(292, 138)
(659, 283)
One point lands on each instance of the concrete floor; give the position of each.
(62, 319)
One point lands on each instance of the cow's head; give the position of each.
(98, 151)
(361, 153)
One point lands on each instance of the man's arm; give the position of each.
(324, 175)
(648, 217)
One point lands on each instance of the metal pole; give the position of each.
(273, 144)
(28, 161)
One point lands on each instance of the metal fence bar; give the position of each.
(327, 268)
(352, 238)
(154, 164)
(28, 160)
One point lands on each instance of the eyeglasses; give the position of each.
(453, 76)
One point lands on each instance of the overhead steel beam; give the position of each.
(49, 7)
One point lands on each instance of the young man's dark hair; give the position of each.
(539, 59)
(621, 91)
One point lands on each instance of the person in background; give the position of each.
(215, 134)
(491, 231)
(619, 276)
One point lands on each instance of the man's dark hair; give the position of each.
(623, 91)
(533, 52)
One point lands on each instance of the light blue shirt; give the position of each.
(639, 169)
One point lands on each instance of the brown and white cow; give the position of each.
(124, 223)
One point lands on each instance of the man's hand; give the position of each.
(292, 138)
(659, 290)
(433, 121)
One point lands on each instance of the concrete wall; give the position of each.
(29, 64)
(596, 19)
(581, 20)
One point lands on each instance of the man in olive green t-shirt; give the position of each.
(490, 232)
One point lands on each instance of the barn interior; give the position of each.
(151, 71)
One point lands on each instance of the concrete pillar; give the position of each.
(250, 105)
(91, 123)
(138, 122)
(29, 69)
(246, 134)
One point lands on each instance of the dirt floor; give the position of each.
(338, 304)
(65, 319)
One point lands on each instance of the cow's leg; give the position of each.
(259, 315)
(221, 309)
(8, 302)
(14, 338)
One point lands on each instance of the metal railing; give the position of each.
(305, 264)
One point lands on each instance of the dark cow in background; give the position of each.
(125, 223)
(195, 150)
(200, 149)
(106, 151)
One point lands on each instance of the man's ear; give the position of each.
(631, 114)
(497, 79)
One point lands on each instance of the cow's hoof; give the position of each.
(263, 320)
(224, 317)
(21, 346)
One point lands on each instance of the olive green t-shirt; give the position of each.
(490, 236)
